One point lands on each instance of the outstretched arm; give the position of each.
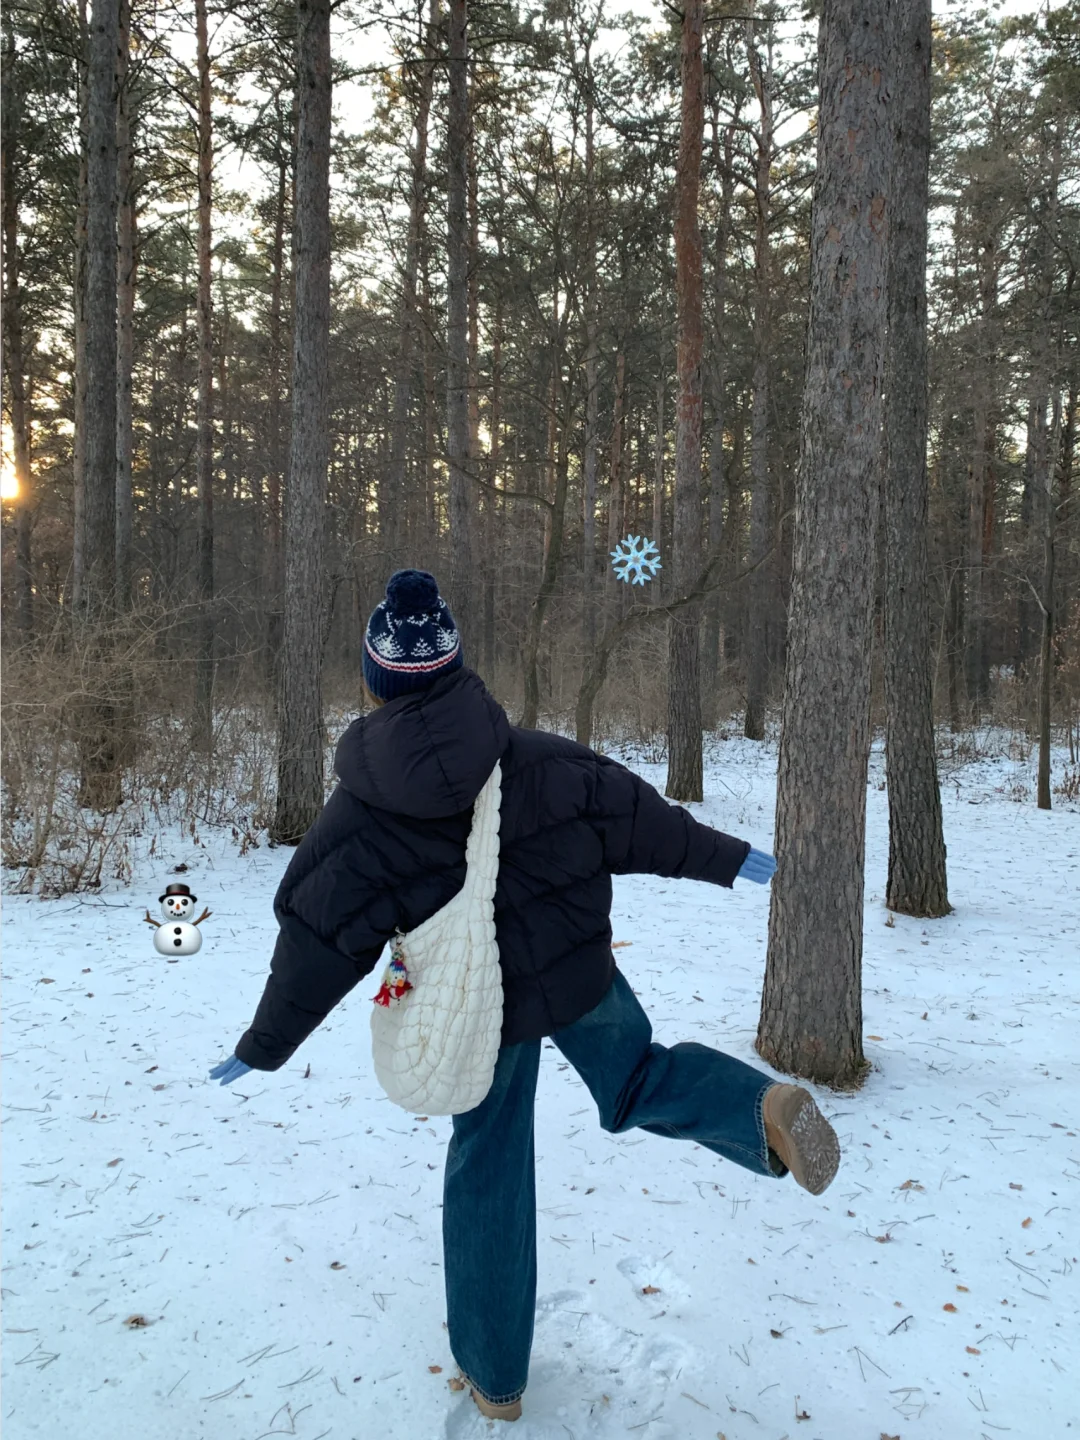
(308, 977)
(151, 921)
(643, 834)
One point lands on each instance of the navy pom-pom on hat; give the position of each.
(411, 639)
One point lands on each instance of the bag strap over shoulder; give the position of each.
(483, 843)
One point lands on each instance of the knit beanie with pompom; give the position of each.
(411, 639)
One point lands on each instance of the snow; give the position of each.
(280, 1238)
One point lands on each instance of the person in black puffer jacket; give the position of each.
(388, 851)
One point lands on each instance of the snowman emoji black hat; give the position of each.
(177, 889)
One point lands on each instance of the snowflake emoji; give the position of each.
(635, 560)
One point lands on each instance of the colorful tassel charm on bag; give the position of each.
(396, 981)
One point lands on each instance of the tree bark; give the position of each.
(590, 457)
(100, 419)
(1047, 517)
(615, 459)
(457, 321)
(13, 350)
(983, 480)
(301, 739)
(555, 520)
(204, 423)
(811, 1011)
(723, 160)
(81, 375)
(275, 446)
(100, 777)
(684, 778)
(757, 656)
(916, 877)
(658, 469)
(394, 507)
(125, 297)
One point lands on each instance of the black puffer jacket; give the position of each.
(388, 850)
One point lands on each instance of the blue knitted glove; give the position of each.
(759, 867)
(229, 1070)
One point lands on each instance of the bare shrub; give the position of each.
(138, 670)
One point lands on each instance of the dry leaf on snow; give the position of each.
(455, 1383)
(950, 1308)
(971, 1350)
(435, 1369)
(336, 1265)
(650, 1290)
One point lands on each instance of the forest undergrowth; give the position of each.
(53, 844)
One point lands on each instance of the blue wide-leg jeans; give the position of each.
(687, 1091)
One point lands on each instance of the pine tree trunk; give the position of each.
(100, 419)
(13, 352)
(394, 507)
(204, 422)
(100, 771)
(272, 577)
(982, 491)
(493, 503)
(555, 520)
(457, 322)
(1047, 516)
(301, 739)
(615, 460)
(591, 456)
(916, 879)
(80, 377)
(684, 777)
(734, 531)
(1038, 401)
(811, 1011)
(723, 158)
(125, 296)
(658, 472)
(757, 656)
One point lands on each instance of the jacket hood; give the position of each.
(426, 754)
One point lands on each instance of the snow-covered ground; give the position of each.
(185, 1260)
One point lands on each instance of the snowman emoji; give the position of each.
(176, 936)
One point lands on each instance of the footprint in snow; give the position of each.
(591, 1376)
(655, 1283)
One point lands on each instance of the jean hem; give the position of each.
(492, 1399)
(771, 1162)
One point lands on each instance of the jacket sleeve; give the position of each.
(643, 834)
(335, 911)
(308, 977)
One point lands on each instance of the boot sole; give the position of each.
(813, 1150)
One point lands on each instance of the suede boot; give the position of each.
(497, 1412)
(804, 1140)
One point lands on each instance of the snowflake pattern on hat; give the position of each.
(411, 638)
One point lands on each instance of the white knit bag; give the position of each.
(435, 1047)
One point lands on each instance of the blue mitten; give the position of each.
(759, 867)
(229, 1070)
